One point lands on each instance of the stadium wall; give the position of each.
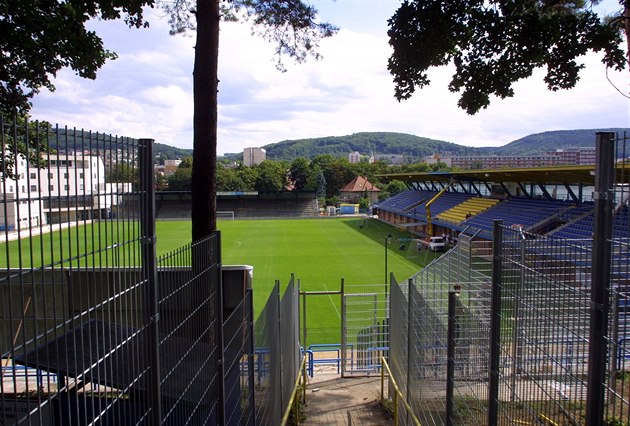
(177, 205)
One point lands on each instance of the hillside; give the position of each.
(549, 141)
(415, 147)
(76, 140)
(366, 143)
(168, 152)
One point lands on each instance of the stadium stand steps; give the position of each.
(575, 223)
(180, 209)
(471, 207)
(405, 201)
(517, 211)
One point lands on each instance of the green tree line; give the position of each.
(325, 174)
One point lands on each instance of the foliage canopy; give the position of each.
(40, 37)
(495, 43)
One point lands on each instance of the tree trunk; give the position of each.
(626, 16)
(205, 86)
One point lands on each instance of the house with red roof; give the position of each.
(358, 188)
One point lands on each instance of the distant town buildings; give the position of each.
(560, 157)
(253, 156)
(169, 167)
(356, 157)
(437, 158)
(394, 159)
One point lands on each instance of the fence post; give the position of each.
(216, 257)
(495, 324)
(252, 351)
(149, 271)
(344, 349)
(450, 354)
(410, 320)
(516, 332)
(304, 328)
(279, 391)
(600, 284)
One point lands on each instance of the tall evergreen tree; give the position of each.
(290, 24)
(321, 185)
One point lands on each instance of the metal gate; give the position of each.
(364, 331)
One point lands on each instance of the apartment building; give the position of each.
(559, 157)
(71, 187)
(253, 156)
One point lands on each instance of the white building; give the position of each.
(19, 198)
(72, 187)
(253, 156)
(354, 157)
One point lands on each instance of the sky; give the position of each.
(147, 91)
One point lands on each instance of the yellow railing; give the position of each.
(397, 394)
(294, 400)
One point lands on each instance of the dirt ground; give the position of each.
(331, 400)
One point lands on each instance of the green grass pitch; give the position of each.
(319, 252)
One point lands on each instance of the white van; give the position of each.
(432, 243)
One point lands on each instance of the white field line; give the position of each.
(333, 302)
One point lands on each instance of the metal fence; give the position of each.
(419, 347)
(94, 327)
(77, 312)
(507, 331)
(364, 328)
(441, 349)
(277, 353)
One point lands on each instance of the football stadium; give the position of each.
(480, 297)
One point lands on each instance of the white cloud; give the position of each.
(147, 92)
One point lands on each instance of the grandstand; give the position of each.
(552, 202)
(540, 288)
(244, 205)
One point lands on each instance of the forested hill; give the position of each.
(366, 143)
(415, 147)
(550, 141)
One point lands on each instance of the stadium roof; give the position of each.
(560, 175)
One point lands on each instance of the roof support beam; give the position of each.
(476, 188)
(505, 188)
(571, 193)
(466, 191)
(544, 191)
(522, 187)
